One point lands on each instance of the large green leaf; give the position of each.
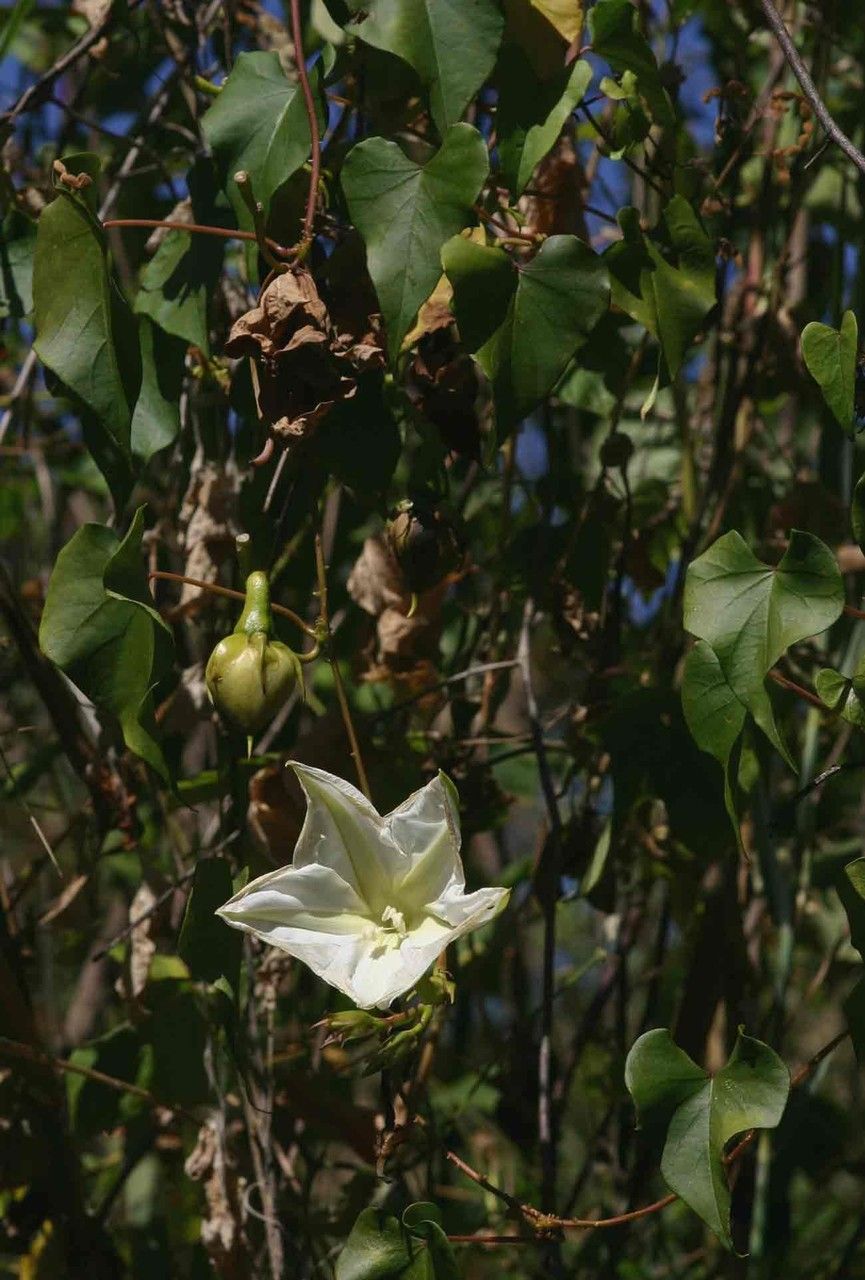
(830, 357)
(531, 112)
(405, 212)
(85, 333)
(715, 717)
(209, 947)
(17, 242)
(525, 321)
(671, 301)
(95, 1107)
(700, 1114)
(616, 36)
(451, 44)
(750, 613)
(259, 123)
(177, 285)
(100, 627)
(381, 1247)
(156, 420)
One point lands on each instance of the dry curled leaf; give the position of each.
(402, 643)
(142, 948)
(222, 1221)
(303, 366)
(375, 582)
(446, 385)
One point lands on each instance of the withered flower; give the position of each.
(303, 366)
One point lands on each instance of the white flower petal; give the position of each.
(312, 898)
(463, 912)
(381, 973)
(342, 830)
(426, 828)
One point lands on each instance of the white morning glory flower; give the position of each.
(368, 902)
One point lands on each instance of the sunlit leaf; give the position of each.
(100, 627)
(750, 613)
(532, 112)
(451, 44)
(830, 356)
(405, 212)
(700, 1114)
(526, 321)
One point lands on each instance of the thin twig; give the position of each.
(547, 890)
(314, 136)
(354, 745)
(26, 1053)
(169, 224)
(481, 669)
(800, 71)
(38, 92)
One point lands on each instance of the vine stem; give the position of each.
(805, 694)
(224, 233)
(546, 886)
(230, 594)
(354, 745)
(544, 1223)
(314, 136)
(26, 1053)
(800, 71)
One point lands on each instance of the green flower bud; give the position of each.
(249, 675)
(249, 678)
(426, 543)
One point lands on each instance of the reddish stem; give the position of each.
(225, 233)
(854, 613)
(805, 694)
(229, 594)
(314, 136)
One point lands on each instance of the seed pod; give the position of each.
(617, 449)
(249, 675)
(426, 543)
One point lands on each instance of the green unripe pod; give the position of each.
(249, 678)
(249, 675)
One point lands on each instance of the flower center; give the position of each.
(393, 921)
(389, 932)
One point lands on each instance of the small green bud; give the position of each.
(249, 678)
(425, 541)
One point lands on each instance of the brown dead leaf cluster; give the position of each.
(303, 364)
(404, 648)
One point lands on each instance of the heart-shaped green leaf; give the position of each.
(670, 300)
(700, 1114)
(381, 1247)
(531, 112)
(405, 212)
(525, 321)
(100, 627)
(451, 44)
(156, 420)
(750, 613)
(85, 333)
(715, 717)
(616, 37)
(259, 124)
(830, 357)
